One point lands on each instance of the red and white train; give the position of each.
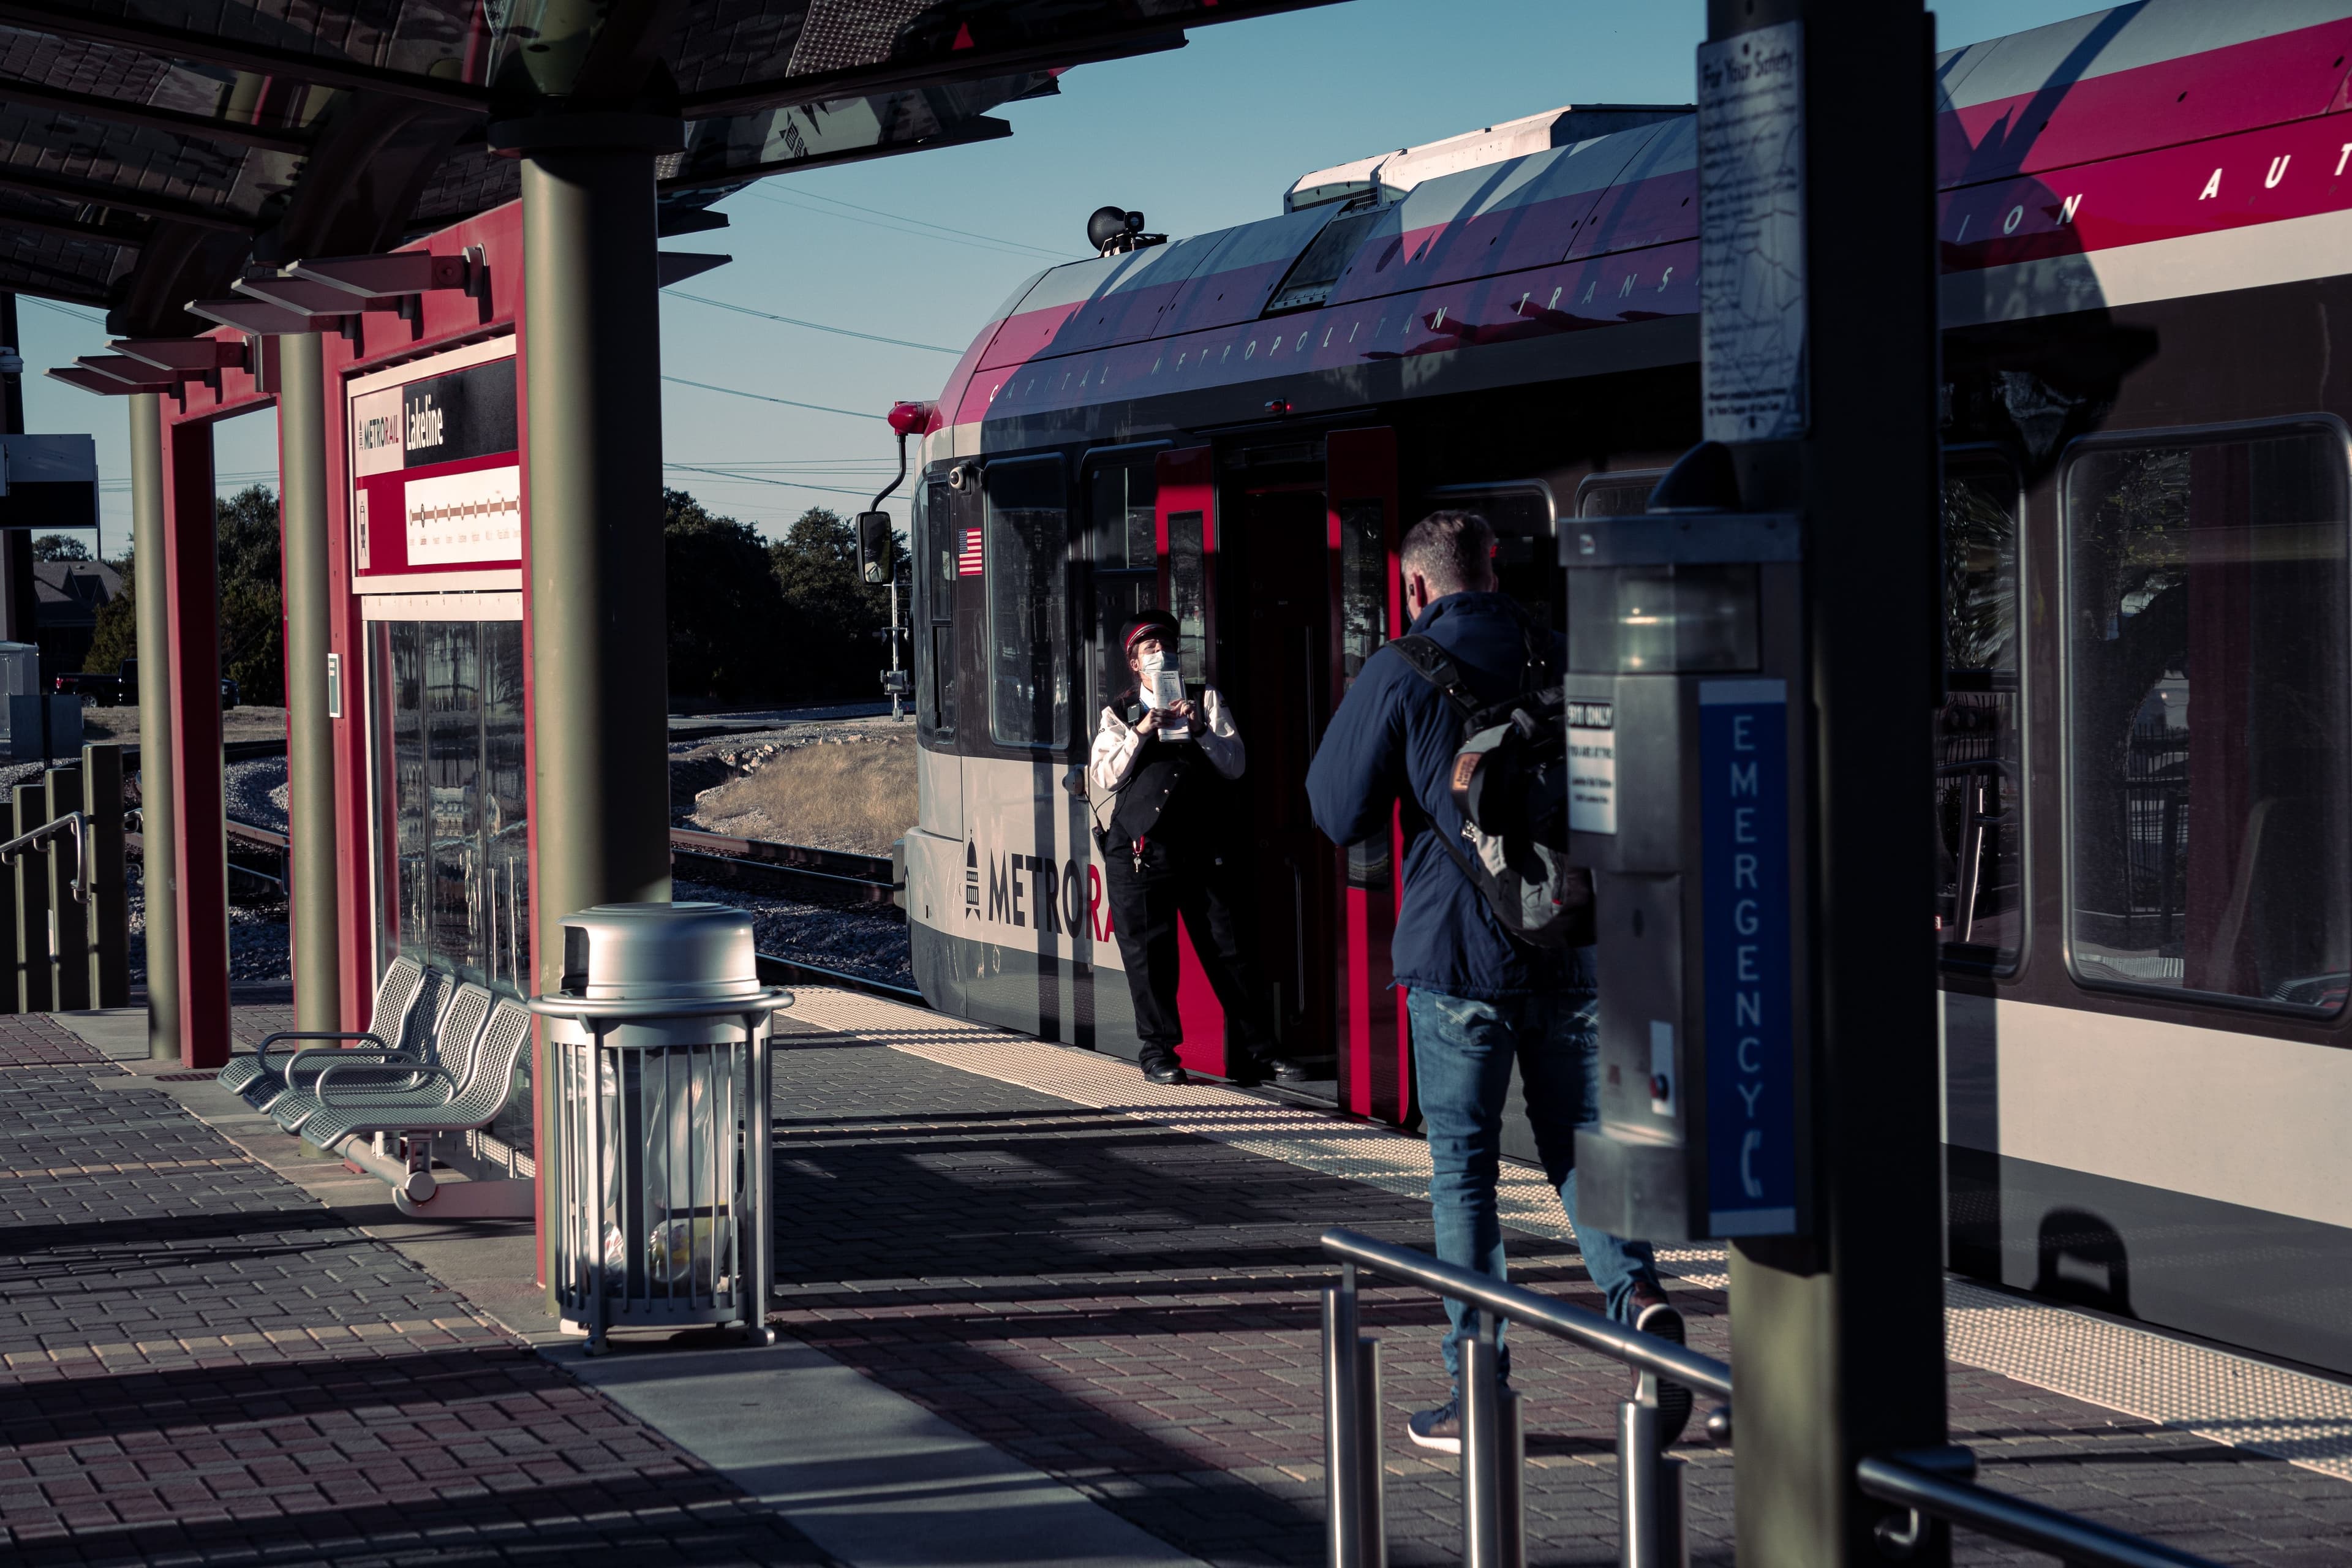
(2143, 770)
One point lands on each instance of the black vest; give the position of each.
(1172, 791)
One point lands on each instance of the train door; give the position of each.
(1375, 1048)
(1278, 534)
(1185, 518)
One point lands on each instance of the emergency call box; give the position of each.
(1687, 750)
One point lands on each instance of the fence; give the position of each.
(1936, 1485)
(65, 921)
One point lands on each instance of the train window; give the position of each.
(1617, 495)
(1325, 257)
(1365, 586)
(937, 550)
(1188, 593)
(1027, 561)
(1127, 565)
(1980, 804)
(2209, 790)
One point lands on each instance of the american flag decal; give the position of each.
(968, 564)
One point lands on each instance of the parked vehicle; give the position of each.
(101, 690)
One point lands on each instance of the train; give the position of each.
(2142, 770)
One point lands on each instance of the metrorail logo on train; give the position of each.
(1037, 892)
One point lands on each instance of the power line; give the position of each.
(812, 326)
(95, 320)
(782, 484)
(895, 224)
(764, 397)
(926, 223)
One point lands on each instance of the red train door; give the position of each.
(1186, 520)
(1365, 591)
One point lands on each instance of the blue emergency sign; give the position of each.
(1752, 1099)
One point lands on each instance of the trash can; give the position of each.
(659, 1042)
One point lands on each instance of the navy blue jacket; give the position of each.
(1394, 736)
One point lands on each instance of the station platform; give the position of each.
(1034, 1308)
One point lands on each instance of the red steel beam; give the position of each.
(200, 862)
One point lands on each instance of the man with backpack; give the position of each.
(1487, 984)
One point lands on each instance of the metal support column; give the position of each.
(311, 862)
(591, 473)
(200, 867)
(1839, 1334)
(151, 599)
(31, 808)
(68, 915)
(19, 598)
(106, 918)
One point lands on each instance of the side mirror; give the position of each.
(874, 547)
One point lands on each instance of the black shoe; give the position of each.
(1287, 1070)
(1654, 1314)
(1164, 1069)
(1245, 1072)
(1440, 1429)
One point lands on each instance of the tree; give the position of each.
(116, 636)
(724, 606)
(60, 547)
(252, 616)
(831, 618)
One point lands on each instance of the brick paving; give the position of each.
(1135, 1311)
(199, 1364)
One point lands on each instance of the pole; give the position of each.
(20, 614)
(311, 862)
(592, 482)
(159, 840)
(1825, 383)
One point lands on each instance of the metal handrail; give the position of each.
(71, 824)
(1494, 1534)
(1563, 1320)
(2076, 1541)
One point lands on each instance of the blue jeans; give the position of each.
(1461, 1055)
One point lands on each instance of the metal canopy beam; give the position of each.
(107, 385)
(302, 297)
(71, 229)
(180, 43)
(393, 273)
(98, 193)
(256, 317)
(146, 117)
(980, 128)
(136, 376)
(677, 266)
(185, 356)
(969, 65)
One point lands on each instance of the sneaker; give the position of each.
(1654, 1314)
(1440, 1429)
(1164, 1069)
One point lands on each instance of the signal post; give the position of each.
(1838, 1335)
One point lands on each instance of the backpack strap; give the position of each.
(1429, 660)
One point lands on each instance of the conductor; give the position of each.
(1166, 761)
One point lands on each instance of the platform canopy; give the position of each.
(152, 151)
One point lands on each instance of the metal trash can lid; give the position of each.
(640, 951)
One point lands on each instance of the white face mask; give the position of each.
(1150, 664)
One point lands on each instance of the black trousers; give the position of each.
(1204, 886)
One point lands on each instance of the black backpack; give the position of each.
(1538, 898)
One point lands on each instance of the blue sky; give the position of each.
(923, 247)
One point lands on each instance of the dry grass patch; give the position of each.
(850, 794)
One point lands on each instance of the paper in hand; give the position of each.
(1167, 690)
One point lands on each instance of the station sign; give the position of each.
(436, 478)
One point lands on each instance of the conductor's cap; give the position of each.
(1150, 623)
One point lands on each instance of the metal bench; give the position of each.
(260, 1074)
(394, 1078)
(348, 1123)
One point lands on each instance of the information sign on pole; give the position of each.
(1751, 224)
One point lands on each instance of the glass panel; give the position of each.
(1028, 572)
(1655, 620)
(1188, 593)
(935, 586)
(1616, 495)
(1125, 530)
(1326, 256)
(1980, 766)
(2207, 694)
(1363, 627)
(452, 814)
(1527, 548)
